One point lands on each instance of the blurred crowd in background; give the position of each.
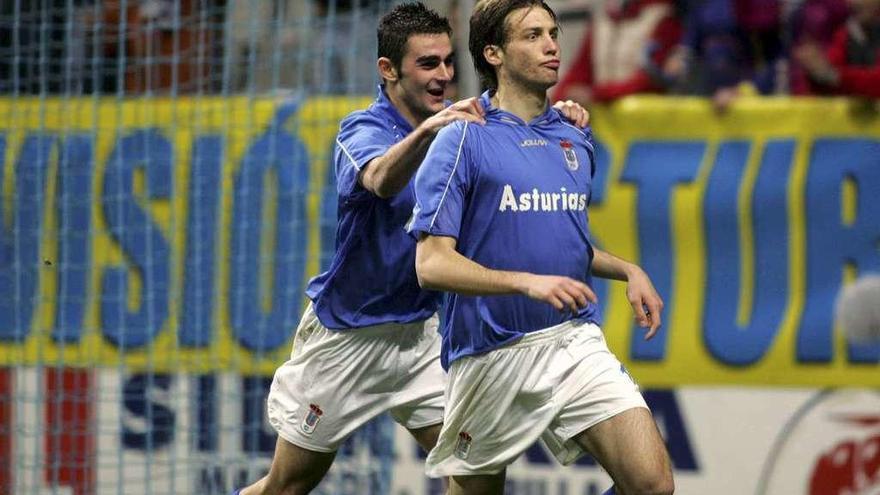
(611, 48)
(724, 48)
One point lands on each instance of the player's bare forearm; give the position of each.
(606, 265)
(388, 174)
(643, 298)
(440, 267)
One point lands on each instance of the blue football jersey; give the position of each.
(514, 194)
(371, 279)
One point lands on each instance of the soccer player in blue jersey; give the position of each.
(501, 217)
(368, 342)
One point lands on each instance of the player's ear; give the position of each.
(493, 55)
(387, 71)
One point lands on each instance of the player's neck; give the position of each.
(395, 95)
(525, 103)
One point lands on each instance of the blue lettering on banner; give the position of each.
(667, 413)
(20, 242)
(729, 342)
(597, 197)
(205, 410)
(202, 232)
(286, 156)
(139, 399)
(257, 437)
(831, 245)
(74, 206)
(544, 486)
(213, 480)
(263, 313)
(146, 249)
(600, 180)
(656, 168)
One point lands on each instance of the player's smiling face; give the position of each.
(425, 72)
(531, 50)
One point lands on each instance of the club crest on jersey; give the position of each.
(571, 159)
(463, 447)
(310, 422)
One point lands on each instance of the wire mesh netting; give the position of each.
(164, 197)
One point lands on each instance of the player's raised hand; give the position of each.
(563, 293)
(468, 109)
(574, 112)
(646, 303)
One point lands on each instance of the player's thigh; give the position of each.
(426, 436)
(296, 470)
(483, 484)
(629, 446)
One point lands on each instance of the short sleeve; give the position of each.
(591, 149)
(442, 184)
(361, 138)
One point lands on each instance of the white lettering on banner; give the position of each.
(542, 201)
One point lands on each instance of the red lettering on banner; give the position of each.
(870, 455)
(849, 467)
(70, 445)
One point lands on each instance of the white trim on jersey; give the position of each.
(451, 175)
(345, 150)
(584, 134)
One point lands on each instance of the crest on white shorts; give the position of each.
(571, 159)
(463, 447)
(310, 422)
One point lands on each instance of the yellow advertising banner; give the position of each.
(179, 234)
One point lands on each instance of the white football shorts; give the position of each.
(552, 384)
(335, 381)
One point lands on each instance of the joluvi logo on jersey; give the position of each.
(463, 447)
(310, 422)
(571, 158)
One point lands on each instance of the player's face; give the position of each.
(531, 53)
(425, 72)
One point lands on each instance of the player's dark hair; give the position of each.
(403, 21)
(488, 27)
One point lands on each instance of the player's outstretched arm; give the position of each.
(646, 303)
(440, 267)
(388, 174)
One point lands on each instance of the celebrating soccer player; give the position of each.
(501, 214)
(368, 342)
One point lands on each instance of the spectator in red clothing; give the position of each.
(625, 39)
(851, 65)
(814, 22)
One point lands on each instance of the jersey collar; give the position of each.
(384, 106)
(548, 116)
